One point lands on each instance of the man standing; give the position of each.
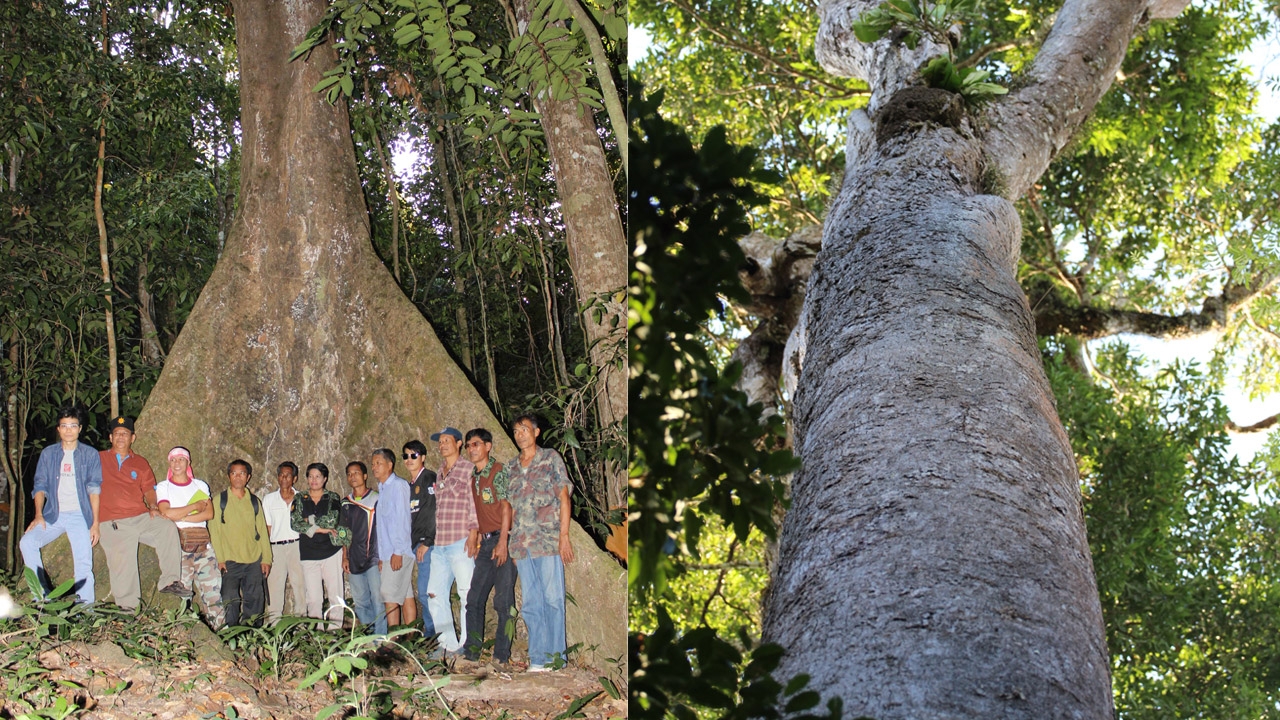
(242, 546)
(360, 548)
(392, 531)
(129, 513)
(493, 572)
(457, 536)
(68, 482)
(422, 511)
(286, 563)
(539, 494)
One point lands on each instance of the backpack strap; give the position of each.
(222, 502)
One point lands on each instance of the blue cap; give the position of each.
(454, 432)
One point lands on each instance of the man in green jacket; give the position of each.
(242, 545)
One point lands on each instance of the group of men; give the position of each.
(473, 522)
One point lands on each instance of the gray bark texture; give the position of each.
(301, 346)
(934, 562)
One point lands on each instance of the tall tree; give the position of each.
(302, 346)
(934, 561)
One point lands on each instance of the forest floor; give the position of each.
(168, 666)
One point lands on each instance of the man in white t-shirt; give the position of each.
(186, 501)
(287, 563)
(68, 483)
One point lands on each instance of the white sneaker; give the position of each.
(538, 668)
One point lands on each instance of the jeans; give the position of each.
(81, 551)
(501, 579)
(449, 562)
(424, 575)
(366, 595)
(243, 592)
(542, 587)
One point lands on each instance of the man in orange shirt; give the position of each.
(128, 514)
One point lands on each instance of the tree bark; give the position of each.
(597, 247)
(152, 352)
(934, 562)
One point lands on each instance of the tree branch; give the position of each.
(781, 68)
(1076, 64)
(1259, 426)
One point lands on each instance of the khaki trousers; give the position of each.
(286, 563)
(120, 539)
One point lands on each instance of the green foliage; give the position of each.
(699, 450)
(917, 19)
(749, 66)
(1183, 540)
(970, 83)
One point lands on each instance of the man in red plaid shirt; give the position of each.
(457, 539)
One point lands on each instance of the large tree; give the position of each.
(302, 346)
(934, 562)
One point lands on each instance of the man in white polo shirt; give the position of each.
(287, 565)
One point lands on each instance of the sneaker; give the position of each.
(538, 668)
(176, 588)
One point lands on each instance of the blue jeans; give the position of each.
(542, 587)
(72, 524)
(449, 563)
(424, 577)
(366, 594)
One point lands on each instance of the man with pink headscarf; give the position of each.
(185, 500)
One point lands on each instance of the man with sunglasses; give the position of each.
(422, 508)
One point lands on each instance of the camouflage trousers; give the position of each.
(200, 573)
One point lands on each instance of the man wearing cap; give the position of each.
(538, 490)
(457, 536)
(129, 514)
(286, 563)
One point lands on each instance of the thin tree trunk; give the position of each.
(393, 196)
(15, 157)
(550, 307)
(113, 372)
(600, 63)
(455, 230)
(597, 251)
(14, 439)
(152, 352)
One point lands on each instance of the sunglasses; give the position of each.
(410, 456)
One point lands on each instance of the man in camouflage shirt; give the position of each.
(538, 491)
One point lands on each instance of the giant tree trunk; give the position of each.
(302, 346)
(597, 247)
(934, 561)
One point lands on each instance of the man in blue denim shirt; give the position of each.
(68, 483)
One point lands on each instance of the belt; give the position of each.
(284, 542)
(493, 534)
